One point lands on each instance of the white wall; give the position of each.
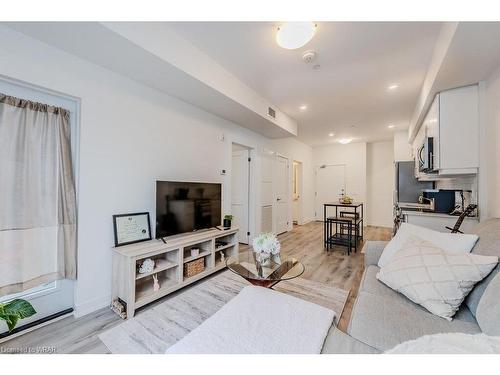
(380, 183)
(353, 156)
(130, 136)
(489, 179)
(369, 176)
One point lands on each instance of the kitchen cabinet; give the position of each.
(453, 123)
(459, 131)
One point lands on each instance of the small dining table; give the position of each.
(353, 208)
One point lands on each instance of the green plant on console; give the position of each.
(14, 311)
(228, 217)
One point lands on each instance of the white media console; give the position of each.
(136, 289)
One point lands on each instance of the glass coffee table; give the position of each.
(265, 274)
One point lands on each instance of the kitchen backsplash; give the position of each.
(460, 183)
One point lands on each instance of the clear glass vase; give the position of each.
(264, 259)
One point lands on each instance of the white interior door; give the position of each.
(267, 209)
(239, 192)
(53, 297)
(330, 180)
(282, 195)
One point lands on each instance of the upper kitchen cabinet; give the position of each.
(458, 127)
(447, 143)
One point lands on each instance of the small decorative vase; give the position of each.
(227, 223)
(276, 258)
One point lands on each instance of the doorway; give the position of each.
(330, 183)
(297, 192)
(55, 298)
(240, 190)
(282, 194)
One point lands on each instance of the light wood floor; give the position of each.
(304, 242)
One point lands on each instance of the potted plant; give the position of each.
(227, 221)
(15, 310)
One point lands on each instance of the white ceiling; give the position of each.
(348, 94)
(154, 55)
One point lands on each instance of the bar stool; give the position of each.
(356, 224)
(342, 224)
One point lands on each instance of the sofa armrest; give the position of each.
(338, 342)
(373, 251)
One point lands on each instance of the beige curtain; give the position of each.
(37, 195)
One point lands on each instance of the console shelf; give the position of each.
(161, 265)
(136, 289)
(200, 255)
(224, 247)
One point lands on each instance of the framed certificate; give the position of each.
(131, 228)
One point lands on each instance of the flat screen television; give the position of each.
(183, 207)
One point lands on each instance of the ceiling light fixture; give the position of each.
(393, 87)
(390, 126)
(303, 107)
(345, 141)
(331, 134)
(293, 35)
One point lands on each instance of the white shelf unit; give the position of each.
(136, 289)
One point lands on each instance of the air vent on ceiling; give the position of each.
(271, 112)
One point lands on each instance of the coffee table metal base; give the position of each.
(264, 283)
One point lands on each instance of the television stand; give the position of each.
(171, 258)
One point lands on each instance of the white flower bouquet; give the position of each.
(266, 243)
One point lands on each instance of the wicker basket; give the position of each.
(194, 267)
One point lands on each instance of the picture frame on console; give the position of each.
(131, 228)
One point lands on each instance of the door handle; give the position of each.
(278, 199)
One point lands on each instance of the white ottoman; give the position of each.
(260, 321)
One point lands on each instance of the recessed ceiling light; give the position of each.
(293, 35)
(390, 126)
(345, 141)
(331, 134)
(393, 87)
(303, 107)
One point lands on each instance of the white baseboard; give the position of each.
(382, 225)
(307, 220)
(91, 306)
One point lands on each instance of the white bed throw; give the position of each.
(450, 343)
(260, 321)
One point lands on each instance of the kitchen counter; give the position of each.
(436, 214)
(438, 221)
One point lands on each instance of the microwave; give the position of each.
(425, 155)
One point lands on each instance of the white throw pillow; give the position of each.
(453, 242)
(434, 278)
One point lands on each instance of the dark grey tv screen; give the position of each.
(183, 207)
